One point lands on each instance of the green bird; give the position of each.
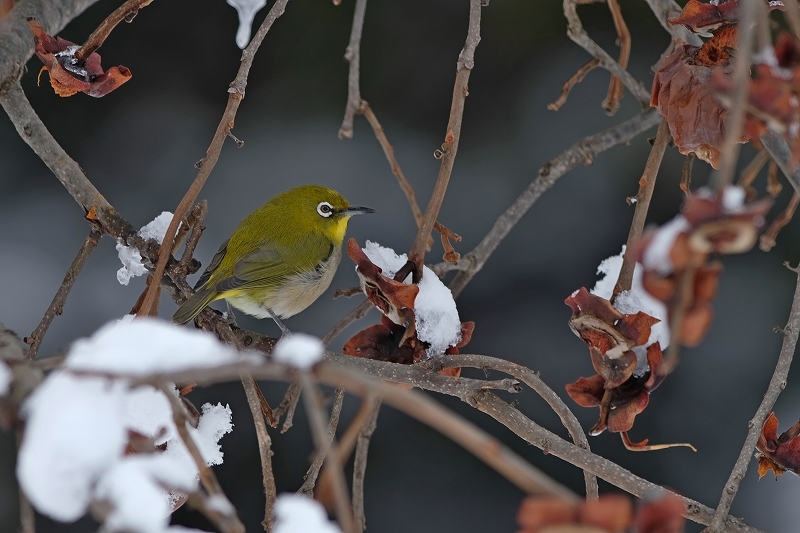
(280, 258)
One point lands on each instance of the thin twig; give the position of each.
(353, 56)
(611, 103)
(776, 386)
(60, 299)
(531, 379)
(227, 522)
(33, 131)
(356, 314)
(582, 152)
(264, 450)
(310, 479)
(195, 220)
(729, 154)
(126, 12)
(235, 96)
(360, 462)
(781, 154)
(573, 81)
(288, 405)
(646, 185)
(748, 175)
(686, 173)
(333, 466)
(27, 517)
(449, 149)
(768, 238)
(579, 36)
(388, 151)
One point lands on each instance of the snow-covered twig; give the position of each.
(228, 521)
(646, 185)
(466, 61)
(235, 97)
(582, 152)
(776, 385)
(57, 305)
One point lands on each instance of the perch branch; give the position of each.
(235, 96)
(646, 185)
(60, 299)
(776, 386)
(582, 152)
(450, 147)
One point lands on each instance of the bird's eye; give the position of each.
(325, 209)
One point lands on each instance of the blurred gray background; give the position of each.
(139, 145)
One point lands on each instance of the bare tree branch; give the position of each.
(310, 479)
(353, 56)
(264, 450)
(316, 419)
(235, 97)
(360, 462)
(582, 152)
(531, 379)
(124, 12)
(776, 386)
(729, 153)
(60, 299)
(647, 184)
(579, 36)
(466, 60)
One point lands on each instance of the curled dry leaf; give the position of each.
(620, 404)
(775, 453)
(684, 93)
(611, 513)
(67, 75)
(394, 339)
(680, 251)
(700, 17)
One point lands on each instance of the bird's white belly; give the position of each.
(295, 294)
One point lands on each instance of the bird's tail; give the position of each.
(192, 307)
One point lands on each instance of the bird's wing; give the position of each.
(215, 261)
(269, 264)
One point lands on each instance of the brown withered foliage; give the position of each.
(773, 93)
(619, 391)
(67, 75)
(701, 17)
(684, 93)
(611, 513)
(679, 254)
(394, 339)
(775, 453)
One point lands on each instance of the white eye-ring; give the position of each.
(325, 209)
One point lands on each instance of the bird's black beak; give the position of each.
(356, 210)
